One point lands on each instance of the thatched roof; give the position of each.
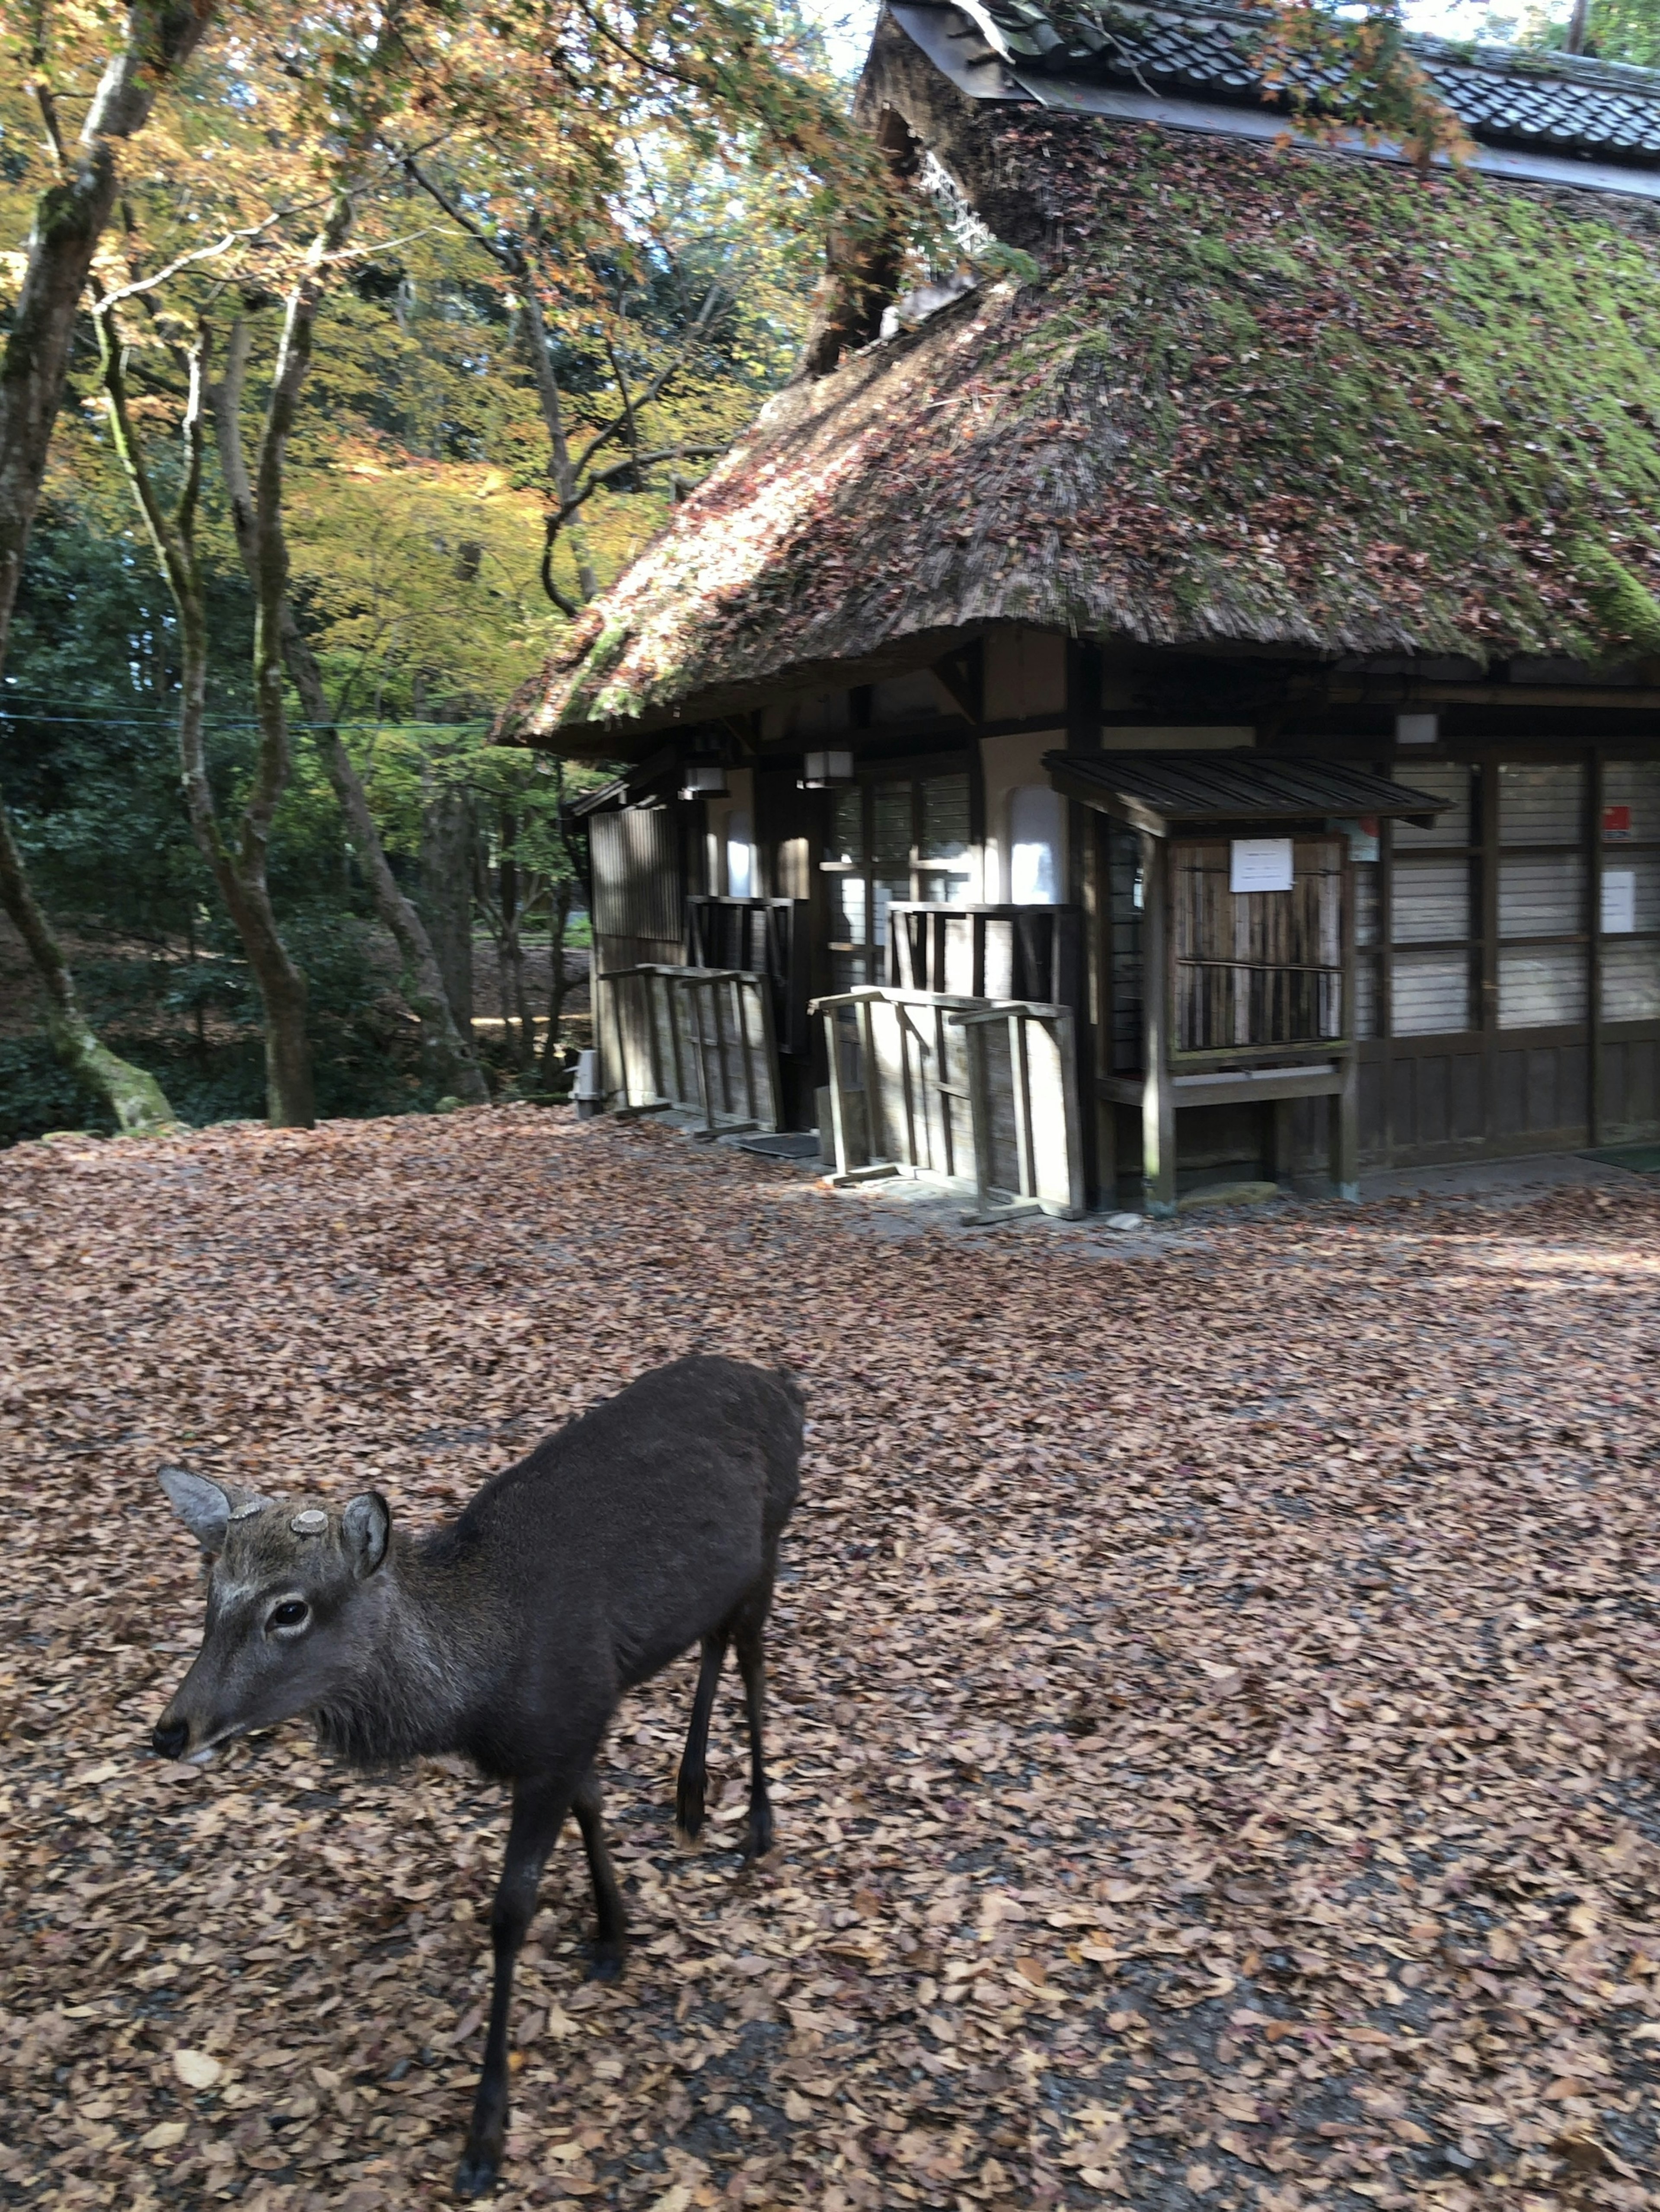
(1256, 397)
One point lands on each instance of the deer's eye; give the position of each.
(293, 1612)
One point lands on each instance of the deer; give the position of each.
(509, 1634)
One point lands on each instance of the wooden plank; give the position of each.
(1157, 1097)
(874, 1131)
(1020, 1077)
(838, 1102)
(1344, 1125)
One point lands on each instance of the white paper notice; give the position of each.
(1261, 864)
(1619, 902)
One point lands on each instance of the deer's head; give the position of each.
(295, 1599)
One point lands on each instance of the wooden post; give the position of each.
(1020, 1080)
(741, 1033)
(1158, 1096)
(874, 1132)
(1343, 1126)
(705, 1089)
(673, 1003)
(973, 1048)
(905, 1028)
(838, 1104)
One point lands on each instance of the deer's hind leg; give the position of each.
(611, 1943)
(689, 1794)
(748, 1626)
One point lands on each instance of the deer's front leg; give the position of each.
(539, 1806)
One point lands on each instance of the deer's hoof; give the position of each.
(689, 1813)
(607, 1962)
(477, 2174)
(761, 1835)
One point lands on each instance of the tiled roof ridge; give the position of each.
(1531, 62)
(1564, 103)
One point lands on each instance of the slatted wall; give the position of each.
(639, 892)
(1257, 967)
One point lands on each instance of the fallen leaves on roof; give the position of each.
(1258, 396)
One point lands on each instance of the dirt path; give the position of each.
(1215, 1698)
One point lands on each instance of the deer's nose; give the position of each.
(169, 1738)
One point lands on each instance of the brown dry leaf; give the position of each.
(1339, 1530)
(196, 2068)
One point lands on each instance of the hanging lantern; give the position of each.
(820, 771)
(703, 779)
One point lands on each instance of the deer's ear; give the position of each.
(202, 1505)
(365, 1525)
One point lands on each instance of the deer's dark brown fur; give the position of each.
(509, 1634)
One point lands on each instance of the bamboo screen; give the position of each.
(1257, 967)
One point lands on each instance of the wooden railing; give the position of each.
(697, 1039)
(977, 1094)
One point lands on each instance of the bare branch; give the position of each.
(144, 284)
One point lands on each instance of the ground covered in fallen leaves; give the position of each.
(1215, 1697)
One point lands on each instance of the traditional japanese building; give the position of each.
(1185, 687)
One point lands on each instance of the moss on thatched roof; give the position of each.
(1257, 396)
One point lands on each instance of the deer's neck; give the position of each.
(416, 1675)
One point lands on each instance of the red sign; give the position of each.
(1616, 821)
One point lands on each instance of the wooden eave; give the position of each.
(1164, 792)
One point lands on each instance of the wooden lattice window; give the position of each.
(1257, 967)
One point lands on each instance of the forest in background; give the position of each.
(399, 327)
(553, 272)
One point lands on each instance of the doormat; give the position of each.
(1641, 1159)
(788, 1144)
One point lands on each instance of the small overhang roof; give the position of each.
(1165, 791)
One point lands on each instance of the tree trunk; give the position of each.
(239, 876)
(136, 1099)
(162, 35)
(547, 391)
(1578, 25)
(561, 895)
(510, 951)
(446, 1048)
(447, 854)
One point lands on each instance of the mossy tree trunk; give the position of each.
(136, 1099)
(448, 1055)
(161, 37)
(239, 874)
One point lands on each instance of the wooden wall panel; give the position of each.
(1630, 1088)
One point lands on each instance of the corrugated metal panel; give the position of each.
(1541, 805)
(1432, 901)
(1431, 992)
(1451, 782)
(1631, 981)
(1541, 895)
(1124, 887)
(1366, 998)
(637, 875)
(1631, 789)
(1366, 902)
(1237, 786)
(1542, 988)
